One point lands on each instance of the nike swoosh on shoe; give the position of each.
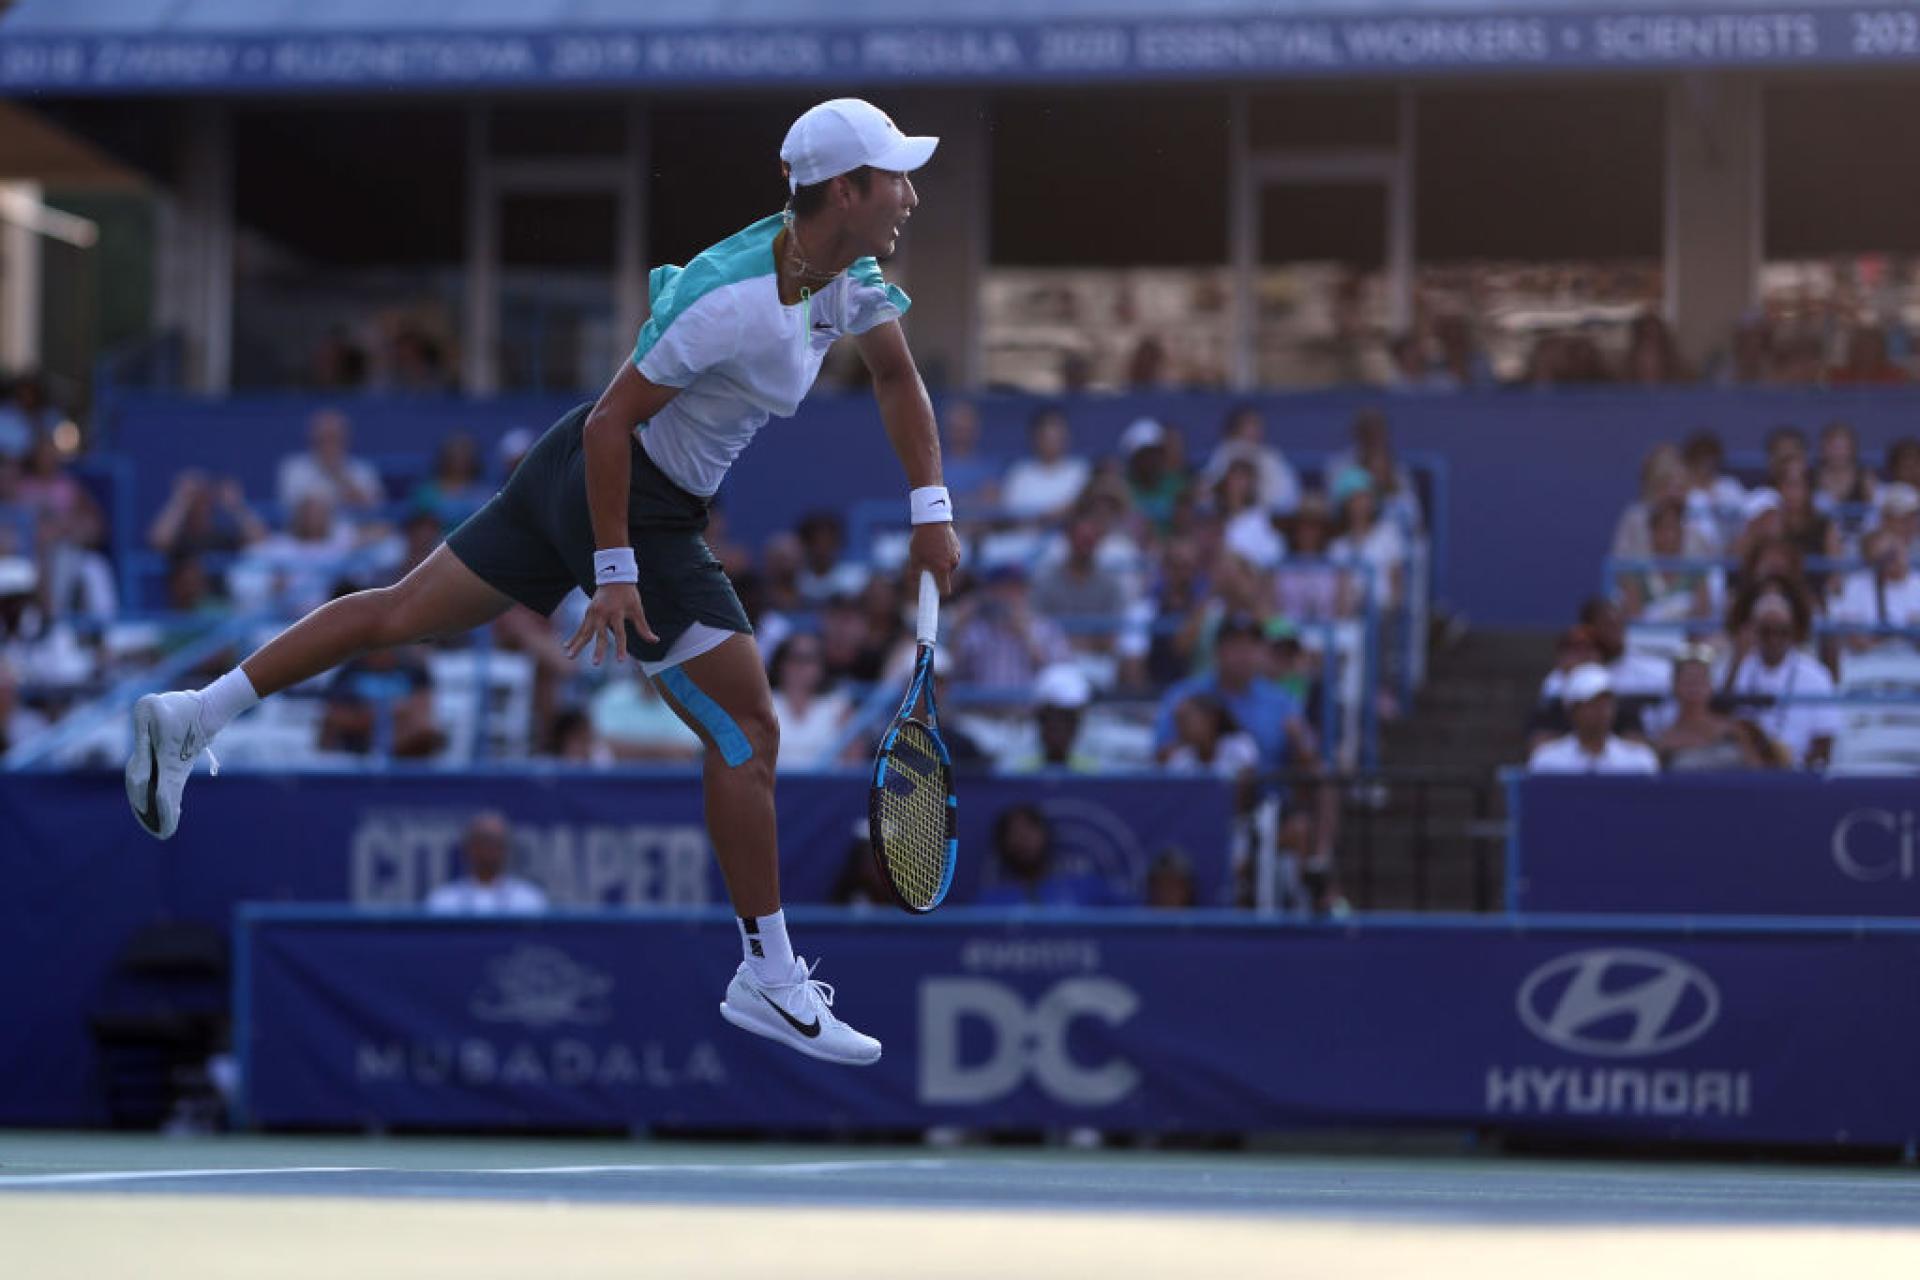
(809, 1030)
(150, 816)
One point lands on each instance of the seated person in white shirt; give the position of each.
(328, 468)
(1048, 481)
(1885, 593)
(1769, 673)
(1592, 747)
(486, 889)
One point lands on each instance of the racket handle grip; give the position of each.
(928, 624)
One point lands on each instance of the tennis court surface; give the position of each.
(106, 1205)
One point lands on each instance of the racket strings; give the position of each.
(914, 816)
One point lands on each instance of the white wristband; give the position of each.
(616, 565)
(929, 504)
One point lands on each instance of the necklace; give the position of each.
(796, 260)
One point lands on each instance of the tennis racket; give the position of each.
(911, 810)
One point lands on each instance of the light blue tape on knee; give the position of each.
(733, 744)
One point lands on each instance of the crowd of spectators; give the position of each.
(1736, 603)
(1142, 609)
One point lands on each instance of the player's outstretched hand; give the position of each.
(614, 606)
(935, 549)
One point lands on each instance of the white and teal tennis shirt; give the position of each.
(720, 333)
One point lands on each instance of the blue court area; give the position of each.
(202, 1204)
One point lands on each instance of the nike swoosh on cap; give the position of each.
(808, 1030)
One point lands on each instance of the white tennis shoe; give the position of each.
(798, 1013)
(166, 740)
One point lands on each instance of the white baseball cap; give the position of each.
(839, 136)
(1144, 433)
(1062, 685)
(1585, 683)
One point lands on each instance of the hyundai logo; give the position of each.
(1618, 1002)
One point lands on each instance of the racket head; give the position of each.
(912, 815)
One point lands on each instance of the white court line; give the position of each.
(142, 1175)
(137, 1175)
(794, 1166)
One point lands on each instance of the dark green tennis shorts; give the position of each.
(534, 540)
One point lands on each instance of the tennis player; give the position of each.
(613, 500)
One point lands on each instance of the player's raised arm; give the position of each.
(907, 415)
(629, 400)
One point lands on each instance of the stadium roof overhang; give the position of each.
(82, 48)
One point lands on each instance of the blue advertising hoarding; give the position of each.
(1767, 844)
(82, 877)
(52, 57)
(1630, 1030)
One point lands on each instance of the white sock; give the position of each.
(224, 699)
(764, 939)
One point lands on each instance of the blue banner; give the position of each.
(82, 878)
(1755, 844)
(1274, 46)
(1146, 1026)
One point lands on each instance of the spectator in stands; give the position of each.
(1367, 540)
(1774, 559)
(328, 469)
(637, 724)
(1632, 673)
(1592, 747)
(1170, 884)
(999, 641)
(1088, 599)
(1868, 362)
(1154, 486)
(1261, 708)
(780, 564)
(1307, 586)
(1372, 452)
(455, 488)
(1181, 587)
(735, 556)
(71, 532)
(339, 363)
(487, 889)
(1715, 500)
(1886, 593)
(1763, 521)
(574, 740)
(1061, 695)
(1899, 511)
(1769, 671)
(813, 715)
(824, 572)
(1209, 740)
(973, 478)
(1841, 481)
(1663, 478)
(1244, 439)
(383, 696)
(1812, 531)
(191, 590)
(1024, 871)
(17, 722)
(1688, 735)
(1653, 357)
(882, 603)
(17, 430)
(204, 514)
(1666, 595)
(513, 446)
(1903, 462)
(1786, 448)
(861, 882)
(296, 571)
(847, 643)
(1050, 479)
